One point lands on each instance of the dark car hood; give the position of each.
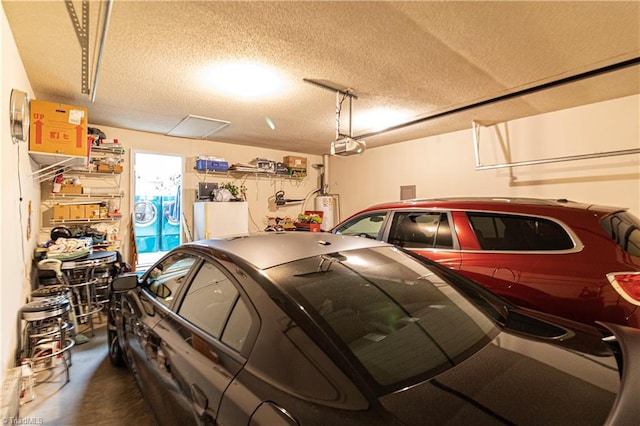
(518, 380)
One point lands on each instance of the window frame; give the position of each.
(577, 243)
(394, 214)
(383, 228)
(254, 328)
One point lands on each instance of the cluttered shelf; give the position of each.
(87, 195)
(241, 173)
(290, 168)
(92, 220)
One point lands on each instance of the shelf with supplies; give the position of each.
(87, 196)
(238, 174)
(290, 168)
(105, 158)
(75, 221)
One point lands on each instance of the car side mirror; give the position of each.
(124, 283)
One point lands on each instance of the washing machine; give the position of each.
(146, 215)
(170, 223)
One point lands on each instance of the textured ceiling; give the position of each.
(431, 58)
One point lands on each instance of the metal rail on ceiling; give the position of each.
(571, 79)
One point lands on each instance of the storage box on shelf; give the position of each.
(58, 129)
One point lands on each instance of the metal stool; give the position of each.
(45, 337)
(86, 302)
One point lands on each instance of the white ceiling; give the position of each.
(436, 59)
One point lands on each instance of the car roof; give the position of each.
(268, 249)
(485, 203)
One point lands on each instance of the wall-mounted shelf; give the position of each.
(52, 164)
(240, 174)
(87, 196)
(96, 220)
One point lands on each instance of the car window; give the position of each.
(237, 329)
(399, 319)
(624, 229)
(165, 279)
(421, 230)
(209, 300)
(518, 233)
(368, 225)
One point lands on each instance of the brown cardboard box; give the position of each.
(60, 211)
(70, 189)
(77, 211)
(297, 162)
(58, 128)
(107, 168)
(92, 211)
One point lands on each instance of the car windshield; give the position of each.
(401, 321)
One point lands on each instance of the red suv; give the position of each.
(573, 260)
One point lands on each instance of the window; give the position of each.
(209, 300)
(165, 279)
(364, 226)
(421, 230)
(624, 229)
(395, 315)
(518, 233)
(237, 328)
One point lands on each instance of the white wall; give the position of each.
(444, 165)
(18, 189)
(260, 191)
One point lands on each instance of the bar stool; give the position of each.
(46, 337)
(86, 301)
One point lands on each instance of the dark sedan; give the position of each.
(322, 329)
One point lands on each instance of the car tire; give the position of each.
(115, 352)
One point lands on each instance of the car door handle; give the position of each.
(199, 401)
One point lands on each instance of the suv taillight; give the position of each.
(627, 284)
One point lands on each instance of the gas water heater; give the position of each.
(327, 203)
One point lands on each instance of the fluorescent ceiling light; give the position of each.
(245, 80)
(379, 118)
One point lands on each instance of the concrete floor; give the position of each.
(97, 393)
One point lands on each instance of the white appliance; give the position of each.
(212, 219)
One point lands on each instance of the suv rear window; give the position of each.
(624, 229)
(518, 233)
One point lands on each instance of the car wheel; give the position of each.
(115, 352)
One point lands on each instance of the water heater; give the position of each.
(328, 205)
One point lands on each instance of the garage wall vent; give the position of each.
(195, 127)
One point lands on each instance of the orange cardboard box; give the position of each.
(293, 161)
(92, 211)
(60, 211)
(71, 189)
(58, 128)
(77, 211)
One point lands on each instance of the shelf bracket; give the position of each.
(480, 166)
(48, 172)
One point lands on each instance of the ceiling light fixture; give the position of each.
(245, 80)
